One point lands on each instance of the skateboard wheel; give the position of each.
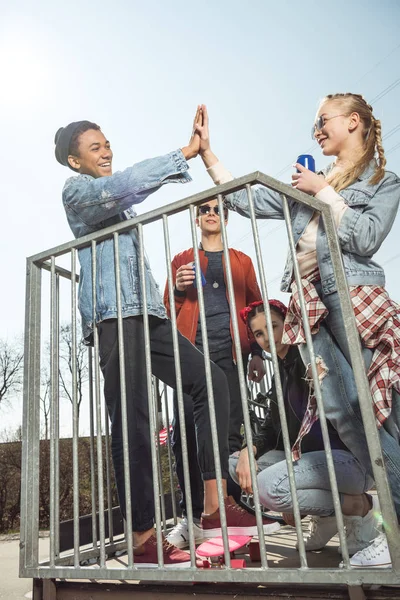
(254, 551)
(238, 563)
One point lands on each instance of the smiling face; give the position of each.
(210, 223)
(336, 129)
(94, 154)
(258, 326)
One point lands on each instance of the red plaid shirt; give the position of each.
(379, 328)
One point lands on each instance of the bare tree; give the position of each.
(66, 366)
(45, 400)
(11, 362)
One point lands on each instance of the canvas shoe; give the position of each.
(145, 556)
(320, 531)
(375, 555)
(239, 522)
(179, 535)
(360, 531)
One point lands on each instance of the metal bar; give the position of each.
(53, 404)
(317, 389)
(57, 421)
(29, 533)
(92, 450)
(243, 387)
(179, 392)
(125, 433)
(178, 206)
(210, 391)
(152, 423)
(98, 401)
(108, 481)
(170, 464)
(364, 393)
(75, 410)
(158, 447)
(249, 575)
(278, 383)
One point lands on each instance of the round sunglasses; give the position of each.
(205, 209)
(320, 122)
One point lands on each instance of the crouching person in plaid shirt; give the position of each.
(310, 471)
(364, 199)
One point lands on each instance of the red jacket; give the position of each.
(187, 307)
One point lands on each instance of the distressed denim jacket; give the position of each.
(93, 204)
(365, 224)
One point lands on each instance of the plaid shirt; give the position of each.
(379, 328)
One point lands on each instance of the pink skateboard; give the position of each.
(214, 549)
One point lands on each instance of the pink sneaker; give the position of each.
(146, 556)
(239, 522)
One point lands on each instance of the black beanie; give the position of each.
(62, 140)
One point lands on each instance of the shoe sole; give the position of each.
(183, 545)
(182, 565)
(270, 528)
(383, 566)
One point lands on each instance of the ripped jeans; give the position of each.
(340, 398)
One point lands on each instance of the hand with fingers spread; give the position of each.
(184, 277)
(193, 148)
(243, 471)
(307, 181)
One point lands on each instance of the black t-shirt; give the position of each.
(216, 306)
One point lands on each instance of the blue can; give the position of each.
(203, 279)
(307, 161)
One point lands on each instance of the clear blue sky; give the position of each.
(140, 68)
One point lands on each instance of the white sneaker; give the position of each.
(179, 535)
(360, 531)
(375, 555)
(320, 531)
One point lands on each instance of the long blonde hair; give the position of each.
(372, 142)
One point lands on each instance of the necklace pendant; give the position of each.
(215, 284)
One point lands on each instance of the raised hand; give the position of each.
(202, 128)
(193, 148)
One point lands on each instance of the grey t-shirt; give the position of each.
(216, 306)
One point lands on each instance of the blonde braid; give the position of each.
(381, 160)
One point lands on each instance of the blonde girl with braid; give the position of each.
(364, 200)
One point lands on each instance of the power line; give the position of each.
(392, 149)
(391, 132)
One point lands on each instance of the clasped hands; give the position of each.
(199, 142)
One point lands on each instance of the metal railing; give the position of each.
(75, 564)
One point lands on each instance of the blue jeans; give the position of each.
(339, 395)
(312, 480)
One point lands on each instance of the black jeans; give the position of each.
(193, 383)
(235, 418)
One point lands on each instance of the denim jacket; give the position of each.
(93, 204)
(365, 224)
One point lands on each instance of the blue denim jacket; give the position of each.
(93, 204)
(364, 225)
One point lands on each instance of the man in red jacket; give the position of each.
(220, 342)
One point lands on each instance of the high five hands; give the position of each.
(199, 142)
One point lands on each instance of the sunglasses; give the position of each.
(320, 122)
(205, 210)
